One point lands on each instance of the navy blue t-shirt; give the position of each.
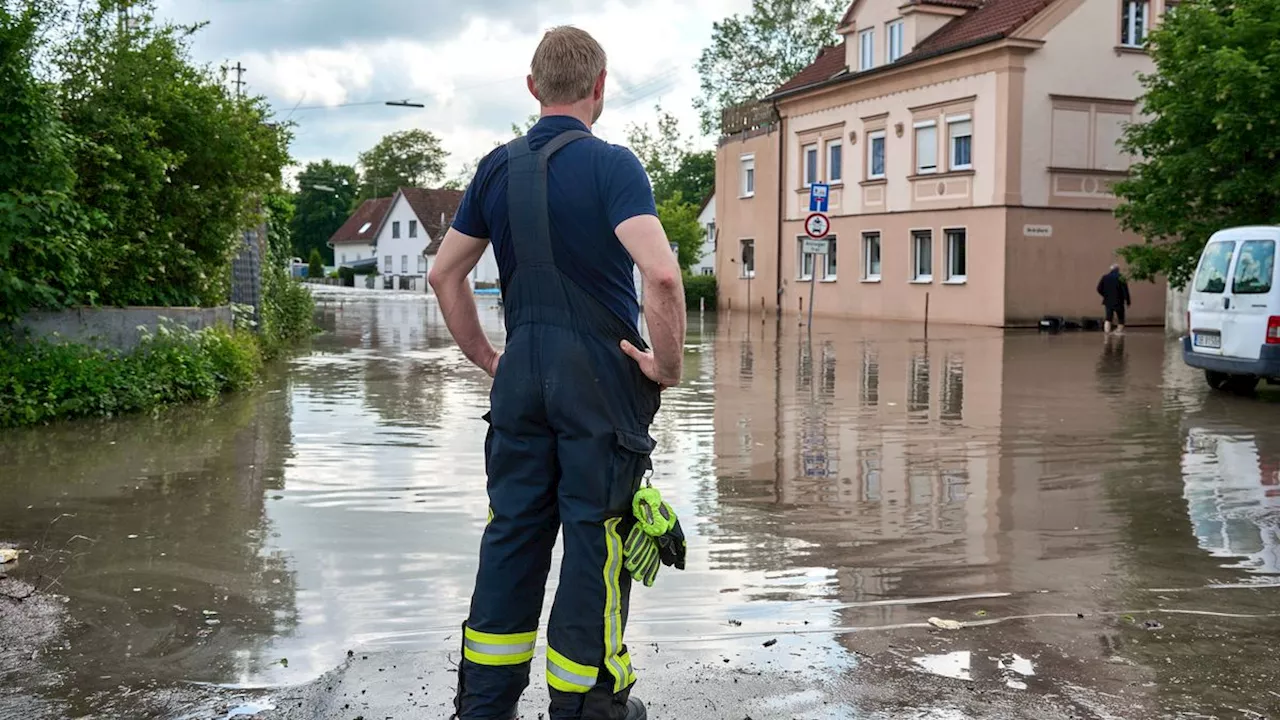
(592, 187)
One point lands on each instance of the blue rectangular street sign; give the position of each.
(818, 197)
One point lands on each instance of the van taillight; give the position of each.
(1273, 330)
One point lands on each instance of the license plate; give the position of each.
(1208, 341)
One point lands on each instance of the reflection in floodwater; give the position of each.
(839, 487)
(1233, 498)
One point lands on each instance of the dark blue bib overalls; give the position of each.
(567, 446)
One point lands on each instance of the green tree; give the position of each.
(409, 158)
(680, 221)
(175, 163)
(326, 196)
(315, 265)
(750, 56)
(660, 151)
(43, 242)
(1207, 155)
(695, 176)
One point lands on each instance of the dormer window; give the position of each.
(893, 49)
(867, 49)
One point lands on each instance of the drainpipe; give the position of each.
(782, 183)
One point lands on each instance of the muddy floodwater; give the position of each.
(980, 524)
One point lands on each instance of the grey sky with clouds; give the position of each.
(465, 61)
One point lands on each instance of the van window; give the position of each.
(1254, 267)
(1212, 275)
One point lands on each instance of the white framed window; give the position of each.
(867, 49)
(748, 176)
(804, 261)
(711, 234)
(871, 256)
(708, 271)
(957, 250)
(894, 46)
(404, 264)
(829, 260)
(395, 229)
(960, 133)
(386, 264)
(835, 162)
(748, 248)
(422, 264)
(926, 147)
(810, 155)
(875, 155)
(1133, 22)
(344, 258)
(922, 256)
(413, 228)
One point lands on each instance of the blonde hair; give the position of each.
(565, 65)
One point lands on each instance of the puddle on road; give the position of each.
(827, 484)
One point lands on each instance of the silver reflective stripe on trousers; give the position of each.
(492, 649)
(569, 676)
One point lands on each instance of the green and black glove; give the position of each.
(656, 537)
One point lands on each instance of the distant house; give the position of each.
(706, 264)
(355, 239)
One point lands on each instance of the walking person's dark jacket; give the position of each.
(1114, 290)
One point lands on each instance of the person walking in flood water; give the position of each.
(1115, 298)
(574, 390)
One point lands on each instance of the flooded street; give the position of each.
(1105, 531)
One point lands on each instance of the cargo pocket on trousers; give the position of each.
(631, 461)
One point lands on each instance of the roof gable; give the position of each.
(363, 224)
(985, 21)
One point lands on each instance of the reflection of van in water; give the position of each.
(1233, 315)
(1232, 491)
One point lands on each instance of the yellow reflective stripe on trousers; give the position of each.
(613, 606)
(490, 517)
(494, 649)
(566, 675)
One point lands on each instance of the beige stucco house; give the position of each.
(970, 146)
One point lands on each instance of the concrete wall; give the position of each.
(116, 328)
(1175, 310)
(1058, 275)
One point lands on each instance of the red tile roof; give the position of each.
(988, 20)
(993, 20)
(435, 210)
(363, 224)
(828, 64)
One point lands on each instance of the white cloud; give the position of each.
(473, 83)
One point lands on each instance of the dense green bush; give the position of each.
(697, 288)
(287, 305)
(44, 381)
(43, 242)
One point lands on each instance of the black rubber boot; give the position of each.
(635, 710)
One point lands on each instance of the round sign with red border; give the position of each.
(817, 226)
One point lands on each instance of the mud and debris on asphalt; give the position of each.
(981, 524)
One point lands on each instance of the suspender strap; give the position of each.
(527, 198)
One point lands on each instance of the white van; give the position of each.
(1233, 316)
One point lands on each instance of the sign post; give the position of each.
(816, 226)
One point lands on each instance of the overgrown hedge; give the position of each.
(697, 288)
(44, 381)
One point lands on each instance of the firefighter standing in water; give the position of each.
(575, 390)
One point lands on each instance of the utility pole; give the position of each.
(240, 70)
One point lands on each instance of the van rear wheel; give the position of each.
(1235, 384)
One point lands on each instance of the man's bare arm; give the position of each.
(455, 260)
(645, 240)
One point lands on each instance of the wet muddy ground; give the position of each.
(980, 524)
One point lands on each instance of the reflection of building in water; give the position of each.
(1233, 498)
(897, 462)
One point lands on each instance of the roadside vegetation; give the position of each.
(128, 175)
